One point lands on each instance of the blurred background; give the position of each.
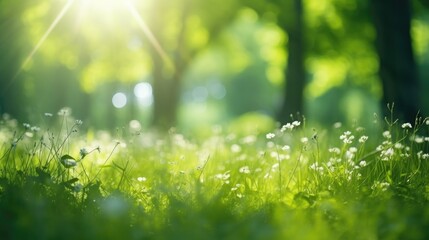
(193, 63)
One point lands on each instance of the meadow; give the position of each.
(59, 179)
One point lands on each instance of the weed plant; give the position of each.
(295, 182)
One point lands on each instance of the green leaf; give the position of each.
(71, 181)
(66, 156)
(68, 161)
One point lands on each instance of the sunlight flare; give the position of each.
(152, 39)
(45, 35)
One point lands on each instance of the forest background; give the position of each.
(192, 64)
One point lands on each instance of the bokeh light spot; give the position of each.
(143, 91)
(119, 100)
(217, 90)
(200, 94)
(135, 125)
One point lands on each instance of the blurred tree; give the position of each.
(340, 49)
(12, 46)
(101, 43)
(255, 59)
(292, 22)
(425, 3)
(289, 17)
(398, 70)
(97, 42)
(196, 24)
(341, 61)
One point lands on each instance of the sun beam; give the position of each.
(43, 38)
(104, 8)
(149, 35)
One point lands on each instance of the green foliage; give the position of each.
(99, 47)
(272, 183)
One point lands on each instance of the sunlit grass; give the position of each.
(291, 182)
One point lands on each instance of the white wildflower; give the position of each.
(386, 134)
(275, 167)
(407, 125)
(383, 186)
(237, 186)
(244, 170)
(224, 177)
(286, 148)
(274, 155)
(83, 152)
(333, 161)
(270, 135)
(334, 150)
(64, 111)
(35, 129)
(363, 139)
(418, 139)
(399, 146)
(315, 166)
(267, 176)
(387, 154)
(353, 149)
(296, 123)
(141, 179)
(347, 138)
(287, 126)
(235, 148)
(349, 155)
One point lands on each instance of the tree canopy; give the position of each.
(224, 59)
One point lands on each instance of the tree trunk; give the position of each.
(397, 65)
(12, 50)
(168, 79)
(166, 94)
(292, 23)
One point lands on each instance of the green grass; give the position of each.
(294, 182)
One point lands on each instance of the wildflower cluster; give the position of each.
(347, 137)
(245, 171)
(290, 126)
